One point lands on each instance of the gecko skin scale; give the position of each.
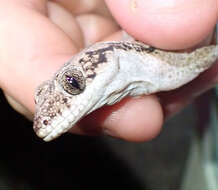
(105, 73)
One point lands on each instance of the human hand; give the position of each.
(34, 46)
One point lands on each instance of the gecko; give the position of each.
(105, 73)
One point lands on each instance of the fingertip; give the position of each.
(139, 119)
(168, 25)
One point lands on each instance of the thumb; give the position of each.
(169, 24)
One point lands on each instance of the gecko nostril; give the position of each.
(45, 122)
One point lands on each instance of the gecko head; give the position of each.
(72, 94)
(57, 103)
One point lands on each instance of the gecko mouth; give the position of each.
(50, 128)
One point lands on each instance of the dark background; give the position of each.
(80, 163)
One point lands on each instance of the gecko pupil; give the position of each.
(73, 82)
(45, 122)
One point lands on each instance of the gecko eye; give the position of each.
(72, 81)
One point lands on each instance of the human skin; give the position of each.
(38, 36)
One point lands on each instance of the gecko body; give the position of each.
(105, 73)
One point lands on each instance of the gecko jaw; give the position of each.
(59, 125)
(50, 128)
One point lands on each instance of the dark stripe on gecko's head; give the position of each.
(96, 56)
(93, 58)
(150, 49)
(135, 46)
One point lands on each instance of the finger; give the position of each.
(96, 27)
(132, 119)
(67, 22)
(32, 49)
(84, 29)
(79, 7)
(91, 26)
(166, 25)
